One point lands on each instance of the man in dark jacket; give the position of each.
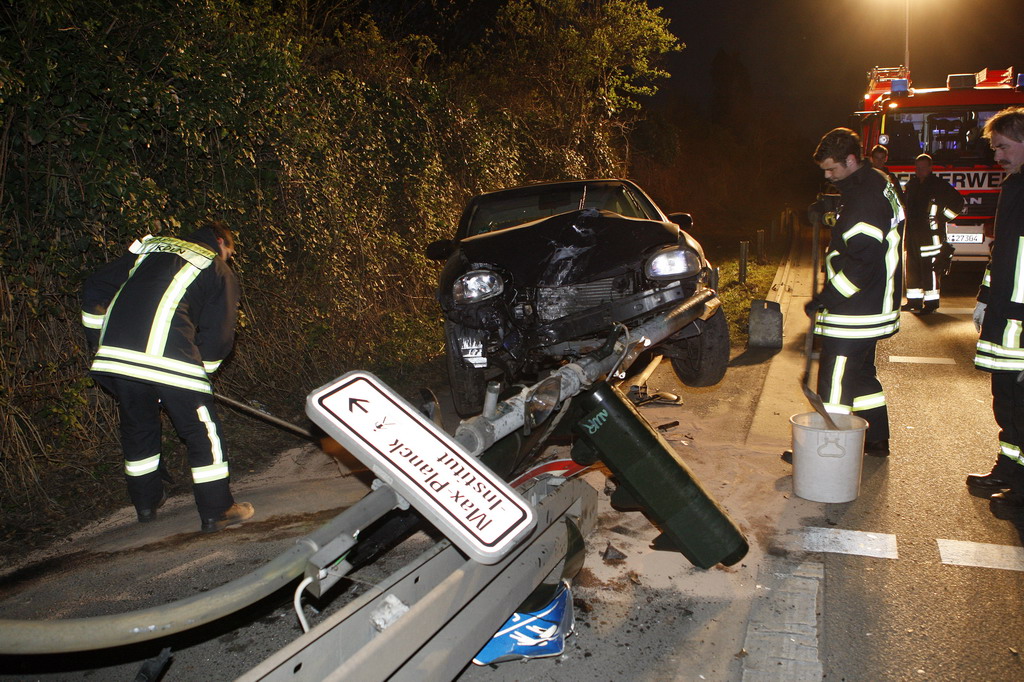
(860, 302)
(930, 202)
(879, 157)
(999, 316)
(162, 319)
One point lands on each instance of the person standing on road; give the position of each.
(930, 202)
(999, 317)
(860, 302)
(879, 157)
(161, 319)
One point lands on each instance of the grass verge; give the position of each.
(736, 296)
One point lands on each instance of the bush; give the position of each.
(335, 156)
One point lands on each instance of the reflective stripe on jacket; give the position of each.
(164, 313)
(864, 285)
(999, 347)
(930, 203)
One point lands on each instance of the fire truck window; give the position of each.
(904, 139)
(977, 147)
(947, 137)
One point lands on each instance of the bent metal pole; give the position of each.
(101, 632)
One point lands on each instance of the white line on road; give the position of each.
(782, 631)
(921, 361)
(960, 553)
(839, 541)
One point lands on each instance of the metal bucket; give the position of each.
(827, 463)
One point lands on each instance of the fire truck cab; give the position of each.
(946, 123)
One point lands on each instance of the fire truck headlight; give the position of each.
(477, 285)
(673, 263)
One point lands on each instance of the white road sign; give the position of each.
(476, 510)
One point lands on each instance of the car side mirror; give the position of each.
(440, 250)
(683, 220)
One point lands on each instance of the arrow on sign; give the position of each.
(355, 402)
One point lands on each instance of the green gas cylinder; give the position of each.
(652, 478)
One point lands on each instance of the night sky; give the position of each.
(812, 56)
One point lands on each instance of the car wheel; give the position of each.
(701, 360)
(468, 383)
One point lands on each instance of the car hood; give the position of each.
(574, 247)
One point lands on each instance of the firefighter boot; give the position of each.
(235, 514)
(983, 485)
(147, 515)
(1008, 505)
(877, 448)
(1002, 477)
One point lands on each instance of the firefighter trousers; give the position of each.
(194, 417)
(848, 383)
(1008, 409)
(924, 278)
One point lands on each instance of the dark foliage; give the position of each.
(337, 139)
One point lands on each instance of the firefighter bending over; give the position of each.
(860, 302)
(162, 319)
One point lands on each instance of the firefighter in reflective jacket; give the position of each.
(999, 316)
(860, 302)
(931, 202)
(162, 319)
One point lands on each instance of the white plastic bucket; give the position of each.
(827, 463)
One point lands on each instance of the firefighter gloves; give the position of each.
(812, 307)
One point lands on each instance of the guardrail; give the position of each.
(336, 537)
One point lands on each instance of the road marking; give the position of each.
(921, 361)
(839, 541)
(982, 555)
(782, 630)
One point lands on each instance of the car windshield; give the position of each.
(509, 209)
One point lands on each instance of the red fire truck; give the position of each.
(946, 123)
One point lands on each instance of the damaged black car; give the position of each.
(537, 276)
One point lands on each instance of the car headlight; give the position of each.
(542, 401)
(477, 285)
(673, 263)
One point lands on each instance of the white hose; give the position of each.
(298, 603)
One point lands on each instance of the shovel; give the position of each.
(269, 418)
(812, 397)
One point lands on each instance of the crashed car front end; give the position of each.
(538, 275)
(561, 302)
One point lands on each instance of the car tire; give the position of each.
(468, 383)
(702, 359)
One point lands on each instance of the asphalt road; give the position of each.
(791, 610)
(915, 617)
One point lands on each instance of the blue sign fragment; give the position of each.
(536, 634)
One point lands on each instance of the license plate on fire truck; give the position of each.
(961, 238)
